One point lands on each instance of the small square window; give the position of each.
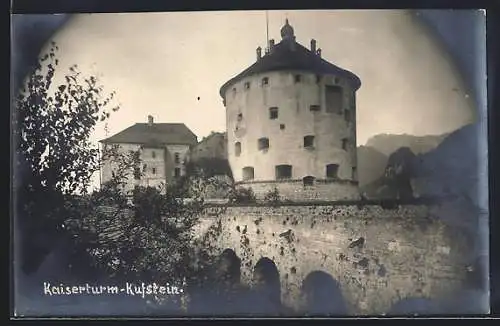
(153, 170)
(297, 78)
(273, 113)
(309, 141)
(177, 172)
(247, 85)
(177, 158)
(314, 108)
(282, 126)
(263, 143)
(265, 81)
(336, 80)
(240, 116)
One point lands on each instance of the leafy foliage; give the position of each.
(272, 196)
(53, 157)
(242, 195)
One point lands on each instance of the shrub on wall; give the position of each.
(242, 195)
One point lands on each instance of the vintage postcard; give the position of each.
(250, 163)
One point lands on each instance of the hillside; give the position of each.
(388, 144)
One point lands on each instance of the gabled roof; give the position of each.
(286, 56)
(155, 134)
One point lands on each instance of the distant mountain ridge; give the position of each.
(388, 143)
(374, 156)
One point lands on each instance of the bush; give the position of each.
(242, 195)
(272, 196)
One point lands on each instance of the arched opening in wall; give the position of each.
(237, 149)
(228, 268)
(308, 181)
(266, 282)
(333, 99)
(414, 306)
(332, 171)
(263, 143)
(323, 295)
(248, 173)
(283, 171)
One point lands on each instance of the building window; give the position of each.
(248, 173)
(314, 107)
(153, 170)
(318, 79)
(237, 148)
(265, 81)
(347, 115)
(344, 143)
(283, 171)
(273, 113)
(333, 99)
(177, 158)
(177, 172)
(240, 116)
(282, 126)
(234, 90)
(308, 181)
(309, 141)
(336, 80)
(247, 85)
(263, 143)
(332, 170)
(297, 78)
(153, 154)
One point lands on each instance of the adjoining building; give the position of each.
(291, 123)
(163, 148)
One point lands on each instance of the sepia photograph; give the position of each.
(239, 164)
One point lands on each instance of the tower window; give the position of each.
(234, 90)
(336, 80)
(153, 154)
(318, 79)
(240, 116)
(263, 143)
(247, 85)
(282, 126)
(309, 141)
(333, 97)
(153, 170)
(283, 171)
(345, 143)
(332, 170)
(265, 81)
(177, 158)
(297, 78)
(237, 149)
(273, 113)
(177, 172)
(314, 107)
(308, 181)
(248, 173)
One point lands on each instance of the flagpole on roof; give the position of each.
(267, 31)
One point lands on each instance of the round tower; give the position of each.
(291, 123)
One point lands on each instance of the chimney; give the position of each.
(313, 46)
(150, 120)
(318, 52)
(271, 44)
(259, 53)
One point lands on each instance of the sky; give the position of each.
(171, 65)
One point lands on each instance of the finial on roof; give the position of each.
(287, 31)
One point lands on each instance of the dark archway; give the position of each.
(266, 283)
(323, 295)
(414, 306)
(228, 268)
